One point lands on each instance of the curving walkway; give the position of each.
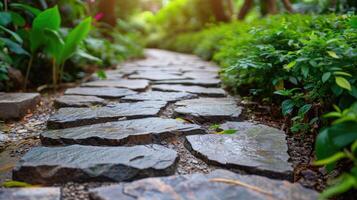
(146, 133)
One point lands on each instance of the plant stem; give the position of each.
(29, 65)
(5, 5)
(54, 74)
(61, 71)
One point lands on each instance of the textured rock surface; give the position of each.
(257, 149)
(71, 117)
(50, 193)
(201, 75)
(199, 82)
(139, 131)
(159, 96)
(156, 75)
(104, 92)
(138, 85)
(203, 187)
(78, 101)
(212, 92)
(48, 165)
(208, 109)
(16, 105)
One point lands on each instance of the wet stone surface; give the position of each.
(156, 76)
(139, 131)
(211, 92)
(16, 105)
(254, 148)
(159, 96)
(197, 82)
(204, 187)
(138, 85)
(50, 193)
(208, 109)
(78, 101)
(72, 117)
(49, 165)
(104, 92)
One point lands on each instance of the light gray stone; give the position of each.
(38, 193)
(138, 131)
(197, 82)
(208, 109)
(138, 85)
(16, 105)
(211, 92)
(104, 92)
(77, 101)
(159, 96)
(71, 117)
(255, 148)
(204, 187)
(156, 76)
(76, 163)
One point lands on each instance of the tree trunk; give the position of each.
(268, 7)
(107, 7)
(288, 6)
(219, 11)
(247, 6)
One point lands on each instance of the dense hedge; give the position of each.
(306, 63)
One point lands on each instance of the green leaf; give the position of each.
(290, 65)
(342, 74)
(5, 18)
(25, 7)
(304, 109)
(75, 37)
(88, 57)
(12, 184)
(343, 83)
(287, 106)
(48, 19)
(229, 131)
(55, 44)
(101, 74)
(332, 54)
(326, 76)
(14, 47)
(13, 34)
(305, 71)
(346, 183)
(17, 19)
(332, 159)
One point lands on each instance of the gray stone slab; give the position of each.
(156, 76)
(138, 131)
(71, 117)
(211, 92)
(16, 105)
(104, 92)
(208, 109)
(76, 163)
(198, 82)
(204, 187)
(255, 148)
(38, 193)
(77, 101)
(137, 84)
(159, 96)
(201, 75)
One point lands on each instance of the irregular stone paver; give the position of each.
(203, 187)
(39, 193)
(156, 76)
(198, 82)
(159, 96)
(71, 117)
(104, 92)
(212, 92)
(201, 75)
(139, 131)
(138, 85)
(208, 109)
(257, 149)
(49, 165)
(77, 101)
(16, 105)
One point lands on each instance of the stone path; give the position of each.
(148, 125)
